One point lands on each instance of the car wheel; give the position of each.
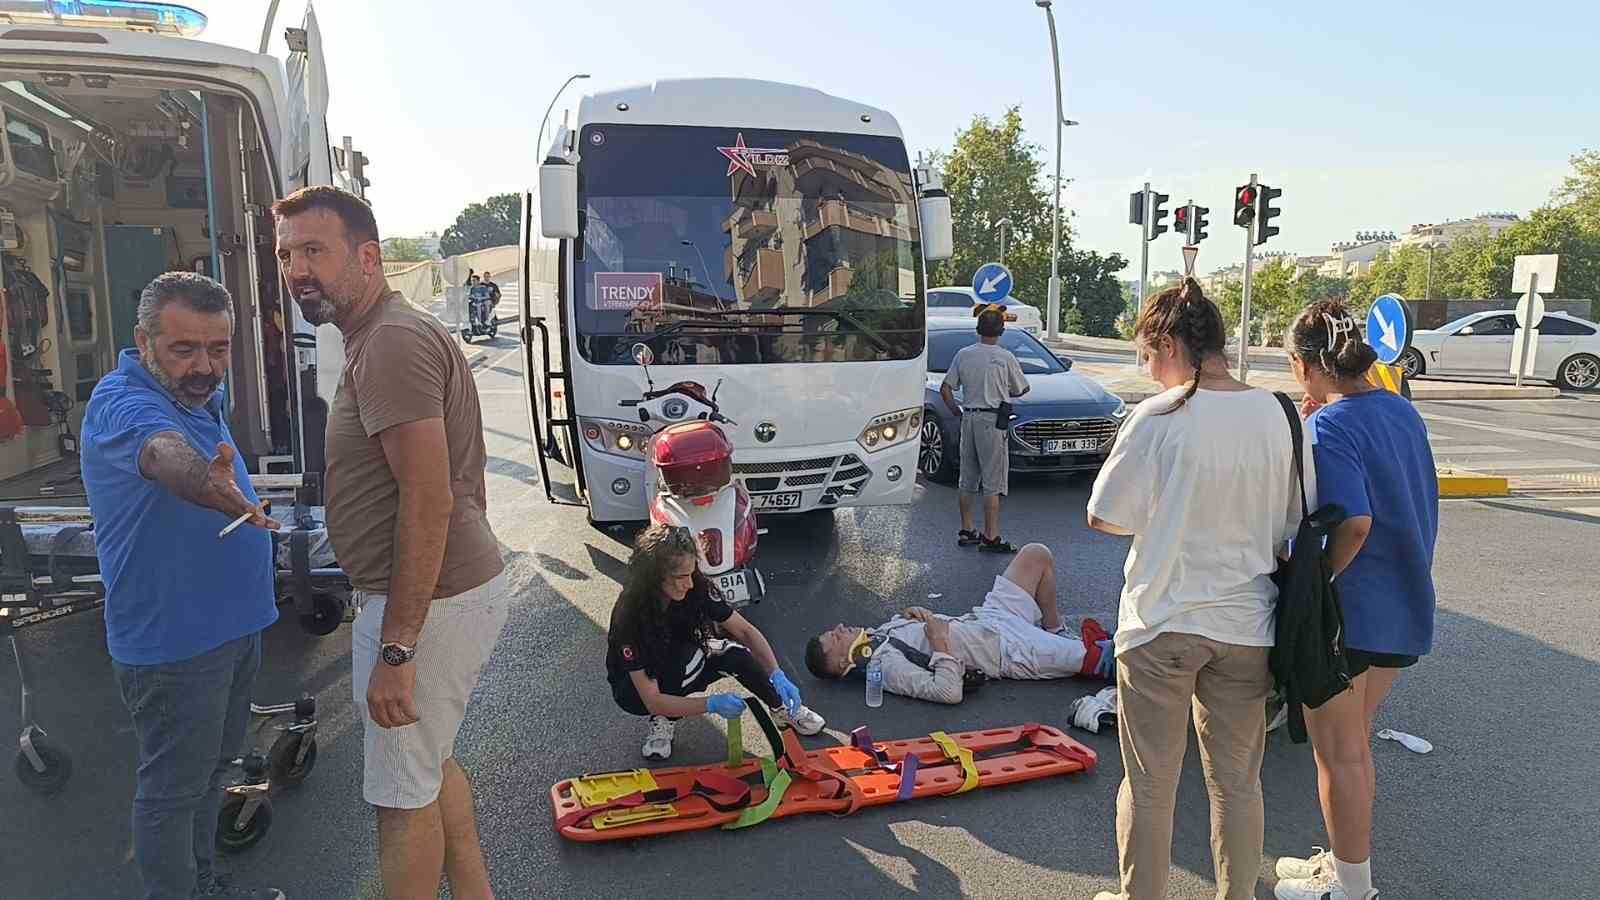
(936, 459)
(1579, 373)
(1411, 362)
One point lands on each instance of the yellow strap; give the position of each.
(960, 754)
(595, 790)
(649, 812)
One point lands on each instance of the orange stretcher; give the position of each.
(794, 781)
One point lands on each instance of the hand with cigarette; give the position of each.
(221, 492)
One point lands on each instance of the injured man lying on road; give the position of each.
(1015, 633)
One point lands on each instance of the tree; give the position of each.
(1557, 229)
(1581, 190)
(403, 249)
(991, 173)
(496, 222)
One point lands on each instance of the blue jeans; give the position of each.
(189, 718)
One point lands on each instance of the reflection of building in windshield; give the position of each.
(684, 296)
(850, 227)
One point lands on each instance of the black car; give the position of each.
(1065, 423)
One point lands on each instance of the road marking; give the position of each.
(1564, 465)
(1592, 512)
(1475, 450)
(1546, 436)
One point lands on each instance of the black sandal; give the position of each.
(965, 538)
(996, 545)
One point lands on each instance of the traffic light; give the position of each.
(1198, 223)
(1157, 214)
(1136, 208)
(1244, 205)
(1180, 222)
(1265, 212)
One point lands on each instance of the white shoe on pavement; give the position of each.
(1325, 886)
(658, 741)
(1290, 867)
(1107, 895)
(804, 720)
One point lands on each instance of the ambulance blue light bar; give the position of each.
(120, 15)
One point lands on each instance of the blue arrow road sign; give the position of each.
(991, 283)
(1389, 327)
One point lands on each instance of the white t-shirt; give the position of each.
(1208, 492)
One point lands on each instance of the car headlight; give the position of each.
(890, 430)
(1121, 412)
(615, 437)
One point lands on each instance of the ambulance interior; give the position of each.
(107, 181)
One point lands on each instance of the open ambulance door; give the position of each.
(307, 159)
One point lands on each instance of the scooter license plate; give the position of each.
(786, 500)
(739, 587)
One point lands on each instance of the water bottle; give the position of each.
(874, 682)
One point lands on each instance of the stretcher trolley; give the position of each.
(48, 570)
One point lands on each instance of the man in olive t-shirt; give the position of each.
(406, 515)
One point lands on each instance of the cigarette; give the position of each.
(234, 525)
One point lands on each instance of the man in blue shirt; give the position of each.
(184, 608)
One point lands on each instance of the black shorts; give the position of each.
(1362, 660)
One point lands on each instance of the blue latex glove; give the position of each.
(1108, 659)
(786, 691)
(728, 706)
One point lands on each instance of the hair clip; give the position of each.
(1337, 327)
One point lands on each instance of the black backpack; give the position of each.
(1308, 659)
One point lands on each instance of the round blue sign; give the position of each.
(1389, 327)
(991, 283)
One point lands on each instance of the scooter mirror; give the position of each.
(643, 355)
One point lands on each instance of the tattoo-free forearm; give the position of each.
(420, 530)
(1346, 541)
(740, 629)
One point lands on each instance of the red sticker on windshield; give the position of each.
(627, 290)
(742, 158)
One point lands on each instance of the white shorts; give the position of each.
(1027, 651)
(404, 766)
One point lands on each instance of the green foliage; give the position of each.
(496, 222)
(403, 250)
(991, 172)
(1276, 297)
(1581, 191)
(1557, 229)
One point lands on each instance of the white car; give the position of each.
(1480, 344)
(957, 302)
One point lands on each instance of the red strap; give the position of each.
(1093, 633)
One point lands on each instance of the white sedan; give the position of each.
(946, 302)
(1480, 344)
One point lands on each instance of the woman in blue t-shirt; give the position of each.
(1372, 459)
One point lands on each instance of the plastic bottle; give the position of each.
(874, 682)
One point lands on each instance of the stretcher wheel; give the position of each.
(231, 838)
(326, 614)
(57, 768)
(281, 766)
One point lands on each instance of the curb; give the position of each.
(1471, 484)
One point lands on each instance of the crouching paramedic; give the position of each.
(664, 645)
(1015, 633)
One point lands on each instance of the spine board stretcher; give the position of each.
(795, 781)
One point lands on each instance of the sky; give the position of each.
(1368, 115)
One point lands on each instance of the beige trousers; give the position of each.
(1227, 687)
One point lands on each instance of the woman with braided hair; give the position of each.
(1202, 477)
(1374, 461)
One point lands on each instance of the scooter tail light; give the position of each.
(745, 533)
(711, 546)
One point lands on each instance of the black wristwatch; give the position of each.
(396, 654)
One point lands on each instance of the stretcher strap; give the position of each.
(735, 742)
(959, 754)
(769, 728)
(755, 815)
(861, 739)
(908, 777)
(721, 792)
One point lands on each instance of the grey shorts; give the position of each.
(985, 456)
(404, 767)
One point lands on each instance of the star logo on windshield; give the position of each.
(742, 158)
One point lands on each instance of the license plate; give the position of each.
(740, 587)
(786, 500)
(1073, 445)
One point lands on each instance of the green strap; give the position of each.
(769, 770)
(755, 815)
(735, 742)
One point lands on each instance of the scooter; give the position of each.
(480, 317)
(689, 471)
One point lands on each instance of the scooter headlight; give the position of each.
(890, 429)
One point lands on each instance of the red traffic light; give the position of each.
(1247, 197)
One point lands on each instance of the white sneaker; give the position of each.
(1322, 887)
(1095, 711)
(804, 720)
(1290, 867)
(658, 742)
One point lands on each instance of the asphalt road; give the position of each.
(1506, 805)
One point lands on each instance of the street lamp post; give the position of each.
(703, 267)
(1004, 221)
(1054, 304)
(538, 142)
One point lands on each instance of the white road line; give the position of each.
(1563, 465)
(1592, 512)
(1473, 450)
(1545, 436)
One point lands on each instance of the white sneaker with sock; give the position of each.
(804, 720)
(1310, 867)
(1324, 886)
(658, 741)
